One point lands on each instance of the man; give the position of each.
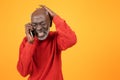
(40, 50)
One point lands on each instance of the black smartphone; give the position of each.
(32, 33)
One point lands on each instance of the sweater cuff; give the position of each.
(32, 44)
(29, 44)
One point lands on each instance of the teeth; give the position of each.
(40, 34)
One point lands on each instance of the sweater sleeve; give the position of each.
(25, 62)
(65, 36)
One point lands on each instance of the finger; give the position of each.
(42, 6)
(29, 26)
(30, 38)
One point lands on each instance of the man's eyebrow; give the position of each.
(39, 22)
(42, 22)
(36, 16)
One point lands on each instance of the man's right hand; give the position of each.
(52, 13)
(29, 28)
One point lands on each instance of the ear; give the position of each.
(51, 18)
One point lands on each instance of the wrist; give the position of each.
(54, 14)
(31, 42)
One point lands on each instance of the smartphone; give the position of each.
(32, 33)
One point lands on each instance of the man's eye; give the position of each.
(43, 24)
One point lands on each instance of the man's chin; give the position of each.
(42, 37)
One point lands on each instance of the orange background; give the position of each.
(96, 56)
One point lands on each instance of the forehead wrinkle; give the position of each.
(38, 18)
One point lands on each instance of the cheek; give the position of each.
(48, 23)
(47, 26)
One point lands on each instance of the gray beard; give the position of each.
(44, 37)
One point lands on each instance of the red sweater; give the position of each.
(42, 59)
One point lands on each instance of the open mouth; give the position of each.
(40, 34)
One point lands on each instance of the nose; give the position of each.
(39, 27)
